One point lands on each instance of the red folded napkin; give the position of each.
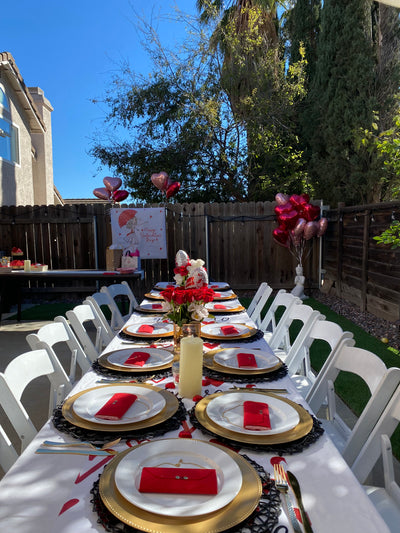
(137, 359)
(146, 328)
(116, 406)
(217, 295)
(156, 306)
(179, 480)
(229, 330)
(220, 306)
(246, 359)
(256, 416)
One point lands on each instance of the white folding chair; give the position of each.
(299, 354)
(8, 455)
(103, 302)
(282, 302)
(21, 371)
(258, 302)
(120, 292)
(59, 333)
(380, 381)
(93, 301)
(387, 498)
(81, 318)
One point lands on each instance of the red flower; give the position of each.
(180, 296)
(182, 270)
(167, 294)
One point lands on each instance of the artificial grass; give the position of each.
(44, 311)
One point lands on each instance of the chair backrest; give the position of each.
(81, 318)
(106, 302)
(282, 301)
(323, 330)
(371, 450)
(258, 302)
(116, 291)
(305, 315)
(59, 331)
(8, 455)
(93, 301)
(21, 371)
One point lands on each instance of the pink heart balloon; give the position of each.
(296, 239)
(299, 227)
(281, 198)
(322, 225)
(310, 230)
(102, 193)
(160, 180)
(112, 184)
(119, 196)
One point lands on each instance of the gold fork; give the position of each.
(283, 487)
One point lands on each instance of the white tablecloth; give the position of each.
(50, 494)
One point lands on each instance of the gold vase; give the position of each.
(191, 328)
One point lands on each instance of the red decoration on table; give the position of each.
(146, 328)
(179, 480)
(220, 306)
(156, 306)
(137, 359)
(256, 416)
(116, 406)
(246, 359)
(229, 330)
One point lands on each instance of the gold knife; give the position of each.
(297, 492)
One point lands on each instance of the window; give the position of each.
(9, 135)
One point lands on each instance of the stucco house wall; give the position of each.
(29, 180)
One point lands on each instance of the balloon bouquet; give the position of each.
(298, 224)
(110, 191)
(164, 183)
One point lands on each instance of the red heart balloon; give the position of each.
(173, 189)
(322, 225)
(160, 180)
(289, 219)
(119, 196)
(304, 198)
(310, 230)
(310, 212)
(102, 193)
(299, 227)
(281, 236)
(281, 198)
(283, 208)
(295, 200)
(112, 184)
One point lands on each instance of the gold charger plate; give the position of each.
(226, 311)
(232, 514)
(152, 311)
(222, 298)
(303, 427)
(208, 361)
(250, 333)
(148, 336)
(153, 296)
(105, 363)
(169, 410)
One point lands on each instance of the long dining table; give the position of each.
(59, 492)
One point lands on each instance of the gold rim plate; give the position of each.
(152, 311)
(169, 410)
(208, 361)
(237, 309)
(232, 514)
(303, 427)
(105, 363)
(250, 333)
(149, 336)
(153, 296)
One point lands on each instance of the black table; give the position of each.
(15, 280)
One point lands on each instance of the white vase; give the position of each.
(298, 289)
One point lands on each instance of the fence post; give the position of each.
(364, 265)
(340, 250)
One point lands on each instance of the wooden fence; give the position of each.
(235, 240)
(357, 268)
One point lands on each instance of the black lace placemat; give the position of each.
(145, 339)
(262, 520)
(288, 448)
(240, 378)
(139, 377)
(97, 438)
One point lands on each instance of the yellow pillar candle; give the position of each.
(191, 367)
(27, 265)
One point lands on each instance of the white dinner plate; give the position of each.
(168, 453)
(215, 330)
(227, 411)
(160, 328)
(161, 285)
(228, 306)
(224, 295)
(218, 285)
(148, 404)
(228, 358)
(157, 357)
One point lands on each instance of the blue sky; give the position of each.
(71, 50)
